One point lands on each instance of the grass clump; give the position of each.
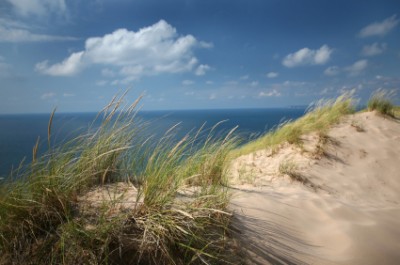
(380, 101)
(43, 219)
(318, 119)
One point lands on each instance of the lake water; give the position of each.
(19, 133)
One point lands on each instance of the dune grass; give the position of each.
(42, 221)
(380, 101)
(318, 119)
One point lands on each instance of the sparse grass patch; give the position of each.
(380, 101)
(42, 221)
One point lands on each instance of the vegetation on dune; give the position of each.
(180, 197)
(318, 119)
(42, 221)
(380, 101)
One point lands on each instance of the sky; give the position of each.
(186, 54)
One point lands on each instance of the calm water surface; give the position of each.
(19, 133)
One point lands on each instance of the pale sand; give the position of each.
(349, 212)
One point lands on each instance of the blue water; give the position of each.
(19, 133)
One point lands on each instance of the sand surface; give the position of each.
(348, 211)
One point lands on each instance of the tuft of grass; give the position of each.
(41, 216)
(358, 126)
(319, 118)
(380, 101)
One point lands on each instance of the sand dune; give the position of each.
(348, 211)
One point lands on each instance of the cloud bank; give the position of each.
(149, 51)
(307, 56)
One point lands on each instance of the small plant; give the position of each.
(246, 175)
(380, 101)
(357, 125)
(289, 168)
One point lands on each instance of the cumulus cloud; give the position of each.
(271, 93)
(12, 31)
(307, 56)
(68, 67)
(38, 7)
(202, 69)
(272, 75)
(151, 50)
(373, 49)
(379, 28)
(357, 68)
(332, 71)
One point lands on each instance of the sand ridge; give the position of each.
(349, 215)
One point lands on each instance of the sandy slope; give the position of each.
(349, 212)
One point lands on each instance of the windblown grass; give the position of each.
(319, 118)
(380, 101)
(42, 221)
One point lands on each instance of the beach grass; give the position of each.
(380, 101)
(319, 117)
(179, 215)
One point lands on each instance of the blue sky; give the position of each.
(186, 54)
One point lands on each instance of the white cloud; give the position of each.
(187, 82)
(244, 77)
(207, 45)
(272, 75)
(47, 95)
(271, 93)
(307, 56)
(357, 68)
(151, 50)
(202, 69)
(11, 31)
(67, 95)
(68, 67)
(212, 96)
(373, 49)
(332, 71)
(38, 7)
(209, 82)
(379, 28)
(254, 83)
